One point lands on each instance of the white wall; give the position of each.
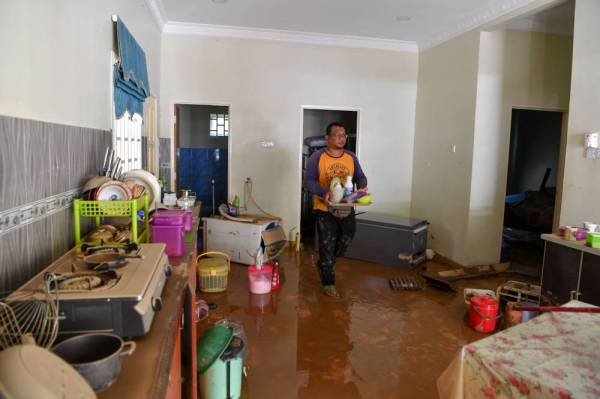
(56, 58)
(516, 69)
(266, 85)
(581, 192)
(445, 117)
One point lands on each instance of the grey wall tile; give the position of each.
(37, 137)
(39, 245)
(62, 233)
(59, 158)
(79, 153)
(12, 162)
(39, 159)
(14, 259)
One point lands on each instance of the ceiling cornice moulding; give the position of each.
(476, 20)
(158, 13)
(186, 28)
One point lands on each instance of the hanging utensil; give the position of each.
(104, 164)
(109, 164)
(116, 168)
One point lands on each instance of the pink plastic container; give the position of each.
(169, 217)
(174, 217)
(259, 280)
(173, 236)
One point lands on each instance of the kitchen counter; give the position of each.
(570, 270)
(155, 368)
(578, 245)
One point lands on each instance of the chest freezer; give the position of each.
(389, 240)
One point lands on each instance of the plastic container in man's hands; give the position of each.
(260, 280)
(348, 186)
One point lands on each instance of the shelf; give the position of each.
(100, 209)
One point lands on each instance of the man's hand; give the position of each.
(340, 212)
(326, 197)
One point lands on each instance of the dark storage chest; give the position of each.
(389, 239)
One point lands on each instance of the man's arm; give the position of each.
(359, 176)
(311, 177)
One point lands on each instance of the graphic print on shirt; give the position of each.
(337, 169)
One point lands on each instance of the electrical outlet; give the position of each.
(165, 165)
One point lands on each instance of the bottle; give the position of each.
(337, 193)
(348, 186)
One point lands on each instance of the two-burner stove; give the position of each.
(121, 301)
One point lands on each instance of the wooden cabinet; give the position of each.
(589, 281)
(570, 271)
(560, 273)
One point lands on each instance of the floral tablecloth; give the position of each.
(555, 355)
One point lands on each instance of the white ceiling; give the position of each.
(393, 24)
(558, 20)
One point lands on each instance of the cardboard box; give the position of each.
(274, 241)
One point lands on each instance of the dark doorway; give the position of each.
(315, 123)
(202, 133)
(535, 140)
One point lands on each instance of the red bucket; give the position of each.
(483, 313)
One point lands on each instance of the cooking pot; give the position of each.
(96, 356)
(29, 371)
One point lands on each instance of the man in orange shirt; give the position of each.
(335, 227)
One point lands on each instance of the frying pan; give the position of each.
(107, 260)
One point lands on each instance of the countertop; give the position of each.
(145, 374)
(578, 245)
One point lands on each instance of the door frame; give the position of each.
(174, 140)
(322, 108)
(561, 157)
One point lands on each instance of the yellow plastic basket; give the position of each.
(213, 272)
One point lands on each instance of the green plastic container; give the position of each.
(219, 378)
(593, 239)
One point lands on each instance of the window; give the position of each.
(127, 141)
(219, 125)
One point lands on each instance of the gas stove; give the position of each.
(122, 301)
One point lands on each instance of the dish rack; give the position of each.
(100, 209)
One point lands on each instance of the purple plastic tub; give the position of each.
(169, 217)
(173, 236)
(174, 217)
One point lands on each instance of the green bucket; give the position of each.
(220, 366)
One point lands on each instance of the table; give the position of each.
(555, 355)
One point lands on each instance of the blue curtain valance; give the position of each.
(131, 85)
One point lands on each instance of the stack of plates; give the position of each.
(146, 179)
(113, 191)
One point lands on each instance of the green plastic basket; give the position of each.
(99, 209)
(105, 208)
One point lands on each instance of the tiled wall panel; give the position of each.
(37, 160)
